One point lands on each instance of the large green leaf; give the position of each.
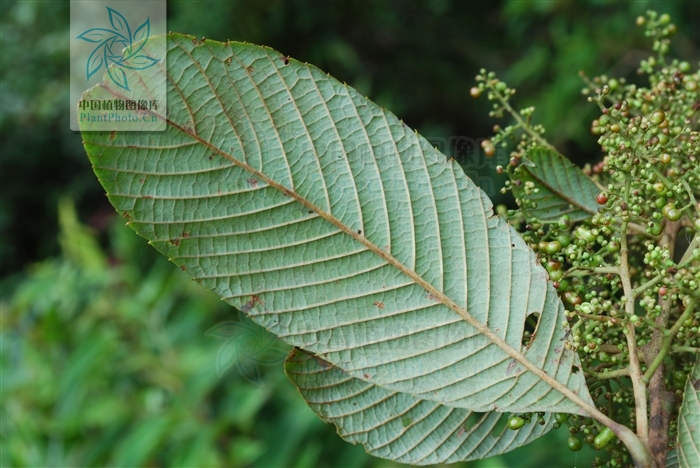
(562, 188)
(688, 449)
(335, 226)
(398, 426)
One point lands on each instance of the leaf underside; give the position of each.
(399, 427)
(688, 446)
(339, 229)
(563, 187)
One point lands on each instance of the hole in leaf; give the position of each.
(532, 322)
(575, 369)
(501, 425)
(472, 420)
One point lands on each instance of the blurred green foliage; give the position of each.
(105, 362)
(104, 358)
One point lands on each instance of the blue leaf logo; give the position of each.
(110, 40)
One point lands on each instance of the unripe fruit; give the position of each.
(515, 422)
(665, 158)
(657, 117)
(565, 240)
(556, 275)
(572, 298)
(574, 444)
(603, 439)
(564, 222)
(475, 92)
(671, 212)
(613, 247)
(553, 247)
(585, 234)
(489, 149)
(654, 229)
(561, 417)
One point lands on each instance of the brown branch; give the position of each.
(661, 401)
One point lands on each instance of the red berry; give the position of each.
(601, 198)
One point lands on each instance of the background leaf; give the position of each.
(335, 226)
(563, 187)
(399, 427)
(688, 447)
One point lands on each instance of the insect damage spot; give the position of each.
(473, 419)
(285, 59)
(175, 242)
(379, 304)
(112, 134)
(252, 182)
(532, 323)
(251, 303)
(512, 367)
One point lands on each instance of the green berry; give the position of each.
(603, 439)
(564, 222)
(613, 247)
(561, 417)
(556, 275)
(564, 240)
(553, 247)
(515, 422)
(671, 212)
(585, 234)
(657, 117)
(654, 229)
(574, 443)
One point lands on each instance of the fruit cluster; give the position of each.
(628, 274)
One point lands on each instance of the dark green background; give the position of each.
(104, 357)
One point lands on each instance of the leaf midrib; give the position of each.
(415, 277)
(558, 192)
